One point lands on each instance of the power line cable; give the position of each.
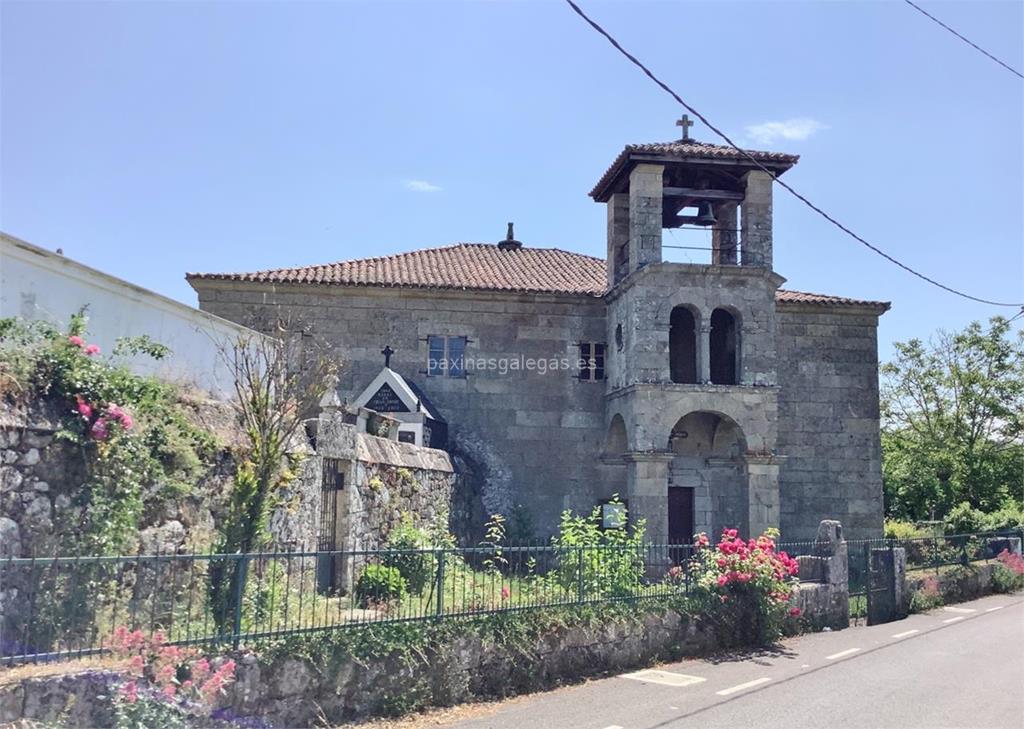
(969, 42)
(636, 62)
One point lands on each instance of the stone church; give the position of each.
(704, 395)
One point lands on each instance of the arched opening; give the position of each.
(616, 443)
(682, 346)
(723, 348)
(707, 488)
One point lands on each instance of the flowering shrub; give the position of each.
(165, 681)
(744, 587)
(927, 597)
(132, 431)
(1008, 573)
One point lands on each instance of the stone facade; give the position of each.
(778, 389)
(828, 419)
(534, 435)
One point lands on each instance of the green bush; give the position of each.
(965, 519)
(380, 584)
(1009, 517)
(600, 562)
(416, 567)
(896, 529)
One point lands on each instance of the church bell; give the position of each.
(705, 215)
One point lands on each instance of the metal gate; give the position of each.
(332, 482)
(882, 570)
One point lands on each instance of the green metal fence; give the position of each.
(930, 553)
(67, 607)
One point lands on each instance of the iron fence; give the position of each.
(930, 553)
(68, 607)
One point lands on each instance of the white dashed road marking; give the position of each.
(960, 610)
(743, 686)
(666, 678)
(840, 654)
(997, 607)
(905, 633)
(953, 620)
(613, 726)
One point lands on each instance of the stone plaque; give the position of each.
(386, 400)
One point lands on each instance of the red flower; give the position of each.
(505, 593)
(100, 429)
(76, 340)
(84, 409)
(130, 692)
(794, 612)
(92, 349)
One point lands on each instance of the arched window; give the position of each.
(682, 346)
(723, 348)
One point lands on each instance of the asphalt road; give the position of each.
(956, 668)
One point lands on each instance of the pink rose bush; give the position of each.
(102, 421)
(744, 586)
(168, 673)
(1008, 573)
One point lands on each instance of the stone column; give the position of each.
(724, 238)
(762, 494)
(647, 492)
(756, 233)
(618, 236)
(704, 352)
(645, 202)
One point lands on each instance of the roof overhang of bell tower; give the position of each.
(690, 162)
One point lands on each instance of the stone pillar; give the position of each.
(724, 238)
(647, 492)
(763, 493)
(756, 233)
(618, 237)
(645, 202)
(704, 352)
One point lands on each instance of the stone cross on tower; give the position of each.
(387, 352)
(685, 123)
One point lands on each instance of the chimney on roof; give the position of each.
(510, 243)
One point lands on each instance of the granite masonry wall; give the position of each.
(531, 435)
(40, 475)
(807, 402)
(829, 420)
(289, 691)
(384, 480)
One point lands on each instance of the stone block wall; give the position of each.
(533, 436)
(40, 476)
(643, 306)
(829, 420)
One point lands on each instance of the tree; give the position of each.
(952, 422)
(279, 380)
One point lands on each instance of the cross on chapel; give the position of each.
(387, 352)
(685, 123)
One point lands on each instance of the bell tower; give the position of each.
(691, 366)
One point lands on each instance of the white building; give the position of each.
(37, 284)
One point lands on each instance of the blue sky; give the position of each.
(149, 139)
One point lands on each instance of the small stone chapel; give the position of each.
(704, 395)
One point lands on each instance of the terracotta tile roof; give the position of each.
(479, 266)
(784, 296)
(460, 266)
(691, 150)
